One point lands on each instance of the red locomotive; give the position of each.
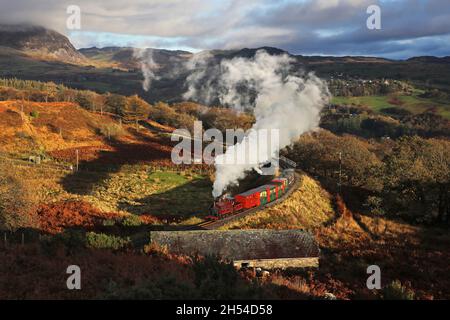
(256, 197)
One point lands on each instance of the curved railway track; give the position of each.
(210, 225)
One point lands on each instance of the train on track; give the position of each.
(228, 205)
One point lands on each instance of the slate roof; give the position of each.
(240, 244)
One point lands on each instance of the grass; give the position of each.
(412, 103)
(178, 195)
(181, 193)
(308, 207)
(376, 103)
(167, 179)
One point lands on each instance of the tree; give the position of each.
(84, 99)
(162, 113)
(417, 178)
(135, 109)
(115, 103)
(224, 118)
(319, 154)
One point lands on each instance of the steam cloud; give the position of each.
(280, 99)
(148, 66)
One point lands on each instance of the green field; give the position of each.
(186, 194)
(413, 103)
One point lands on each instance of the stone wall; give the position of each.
(271, 248)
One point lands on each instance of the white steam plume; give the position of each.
(199, 67)
(280, 100)
(148, 66)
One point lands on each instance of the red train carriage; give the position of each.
(282, 185)
(252, 198)
(261, 195)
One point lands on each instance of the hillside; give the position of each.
(351, 241)
(124, 169)
(40, 43)
(31, 127)
(129, 58)
(309, 207)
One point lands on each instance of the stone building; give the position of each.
(267, 249)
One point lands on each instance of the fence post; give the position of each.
(77, 154)
(23, 239)
(5, 240)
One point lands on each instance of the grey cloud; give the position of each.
(301, 26)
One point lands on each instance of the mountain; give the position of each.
(430, 59)
(40, 43)
(36, 53)
(114, 56)
(129, 58)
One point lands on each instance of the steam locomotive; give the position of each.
(227, 205)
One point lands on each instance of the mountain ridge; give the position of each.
(40, 42)
(41, 54)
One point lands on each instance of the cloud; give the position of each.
(301, 26)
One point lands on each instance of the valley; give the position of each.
(86, 173)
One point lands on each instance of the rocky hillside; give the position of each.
(40, 42)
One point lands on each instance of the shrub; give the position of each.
(112, 130)
(105, 241)
(155, 249)
(163, 287)
(109, 223)
(84, 99)
(72, 240)
(18, 200)
(396, 291)
(166, 115)
(132, 221)
(374, 205)
(115, 103)
(23, 135)
(215, 279)
(34, 114)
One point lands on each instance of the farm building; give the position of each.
(267, 249)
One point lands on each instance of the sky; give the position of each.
(308, 27)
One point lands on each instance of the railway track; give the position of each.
(211, 225)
